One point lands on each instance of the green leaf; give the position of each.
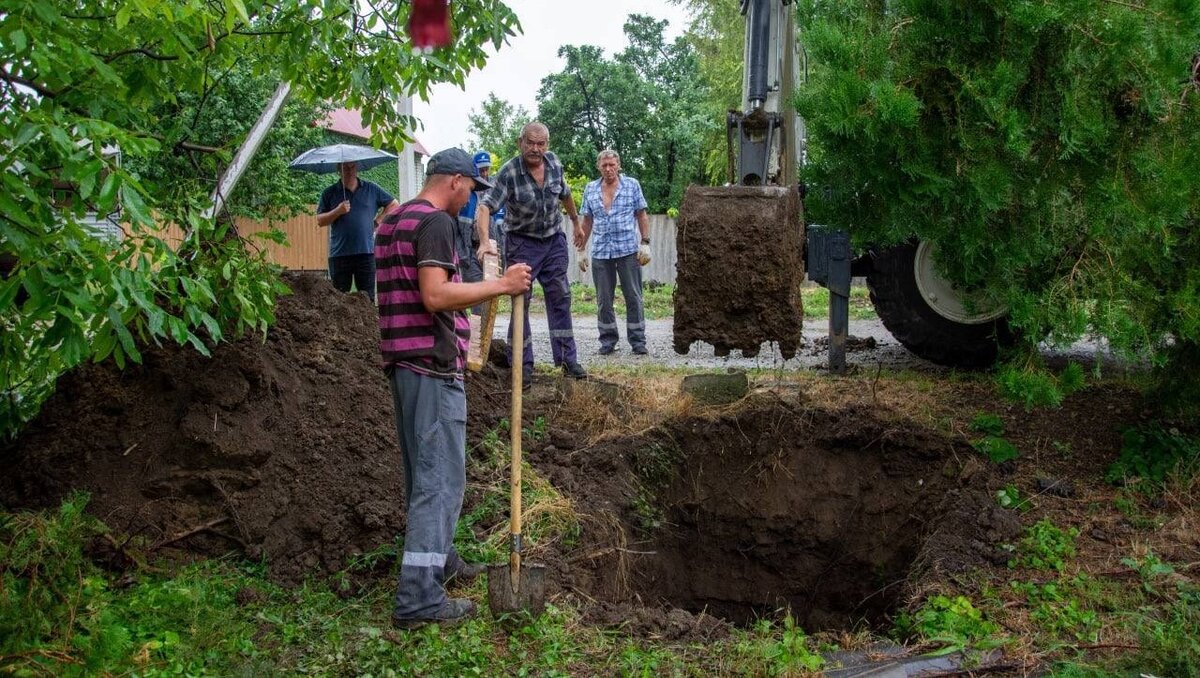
(240, 8)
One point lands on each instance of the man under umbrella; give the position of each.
(349, 208)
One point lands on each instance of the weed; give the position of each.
(787, 654)
(1034, 386)
(537, 431)
(1057, 607)
(1045, 547)
(1150, 453)
(1010, 498)
(1129, 503)
(990, 424)
(1150, 568)
(996, 448)
(952, 623)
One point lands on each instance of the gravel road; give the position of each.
(886, 351)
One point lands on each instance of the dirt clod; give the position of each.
(739, 269)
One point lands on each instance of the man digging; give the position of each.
(424, 335)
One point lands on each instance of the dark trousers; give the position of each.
(605, 273)
(356, 268)
(548, 259)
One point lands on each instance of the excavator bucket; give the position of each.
(739, 270)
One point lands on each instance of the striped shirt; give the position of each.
(532, 210)
(413, 236)
(615, 230)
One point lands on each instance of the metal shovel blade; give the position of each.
(529, 596)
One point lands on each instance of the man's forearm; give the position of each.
(644, 224)
(326, 218)
(568, 202)
(483, 219)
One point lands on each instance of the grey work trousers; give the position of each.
(605, 273)
(431, 419)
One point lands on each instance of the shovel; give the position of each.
(516, 586)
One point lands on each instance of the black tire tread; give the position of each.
(898, 302)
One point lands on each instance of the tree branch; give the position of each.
(191, 146)
(18, 80)
(109, 58)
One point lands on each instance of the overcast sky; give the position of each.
(516, 71)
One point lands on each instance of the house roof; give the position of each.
(349, 122)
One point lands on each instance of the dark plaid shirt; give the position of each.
(531, 210)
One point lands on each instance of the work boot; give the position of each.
(526, 379)
(607, 350)
(640, 350)
(574, 371)
(451, 613)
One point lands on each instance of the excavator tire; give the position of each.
(911, 319)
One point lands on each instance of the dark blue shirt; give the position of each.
(353, 232)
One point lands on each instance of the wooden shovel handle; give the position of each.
(518, 369)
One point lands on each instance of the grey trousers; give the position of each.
(431, 419)
(605, 273)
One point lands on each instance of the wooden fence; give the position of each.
(308, 246)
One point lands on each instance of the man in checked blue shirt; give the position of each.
(615, 210)
(531, 187)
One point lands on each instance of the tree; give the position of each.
(496, 126)
(645, 103)
(678, 119)
(1049, 150)
(716, 36)
(220, 117)
(80, 78)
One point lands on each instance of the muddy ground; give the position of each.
(838, 499)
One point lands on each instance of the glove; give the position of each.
(583, 259)
(643, 255)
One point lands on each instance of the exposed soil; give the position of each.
(739, 270)
(834, 513)
(284, 450)
(840, 503)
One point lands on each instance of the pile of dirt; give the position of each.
(283, 449)
(739, 269)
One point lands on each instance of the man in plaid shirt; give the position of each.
(615, 210)
(531, 187)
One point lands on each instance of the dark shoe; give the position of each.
(465, 573)
(640, 350)
(574, 371)
(526, 380)
(451, 613)
(607, 350)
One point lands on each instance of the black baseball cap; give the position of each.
(456, 161)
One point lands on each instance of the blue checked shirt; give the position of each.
(614, 231)
(531, 210)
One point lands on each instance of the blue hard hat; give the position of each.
(483, 159)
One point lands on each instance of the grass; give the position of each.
(657, 302)
(223, 617)
(1058, 605)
